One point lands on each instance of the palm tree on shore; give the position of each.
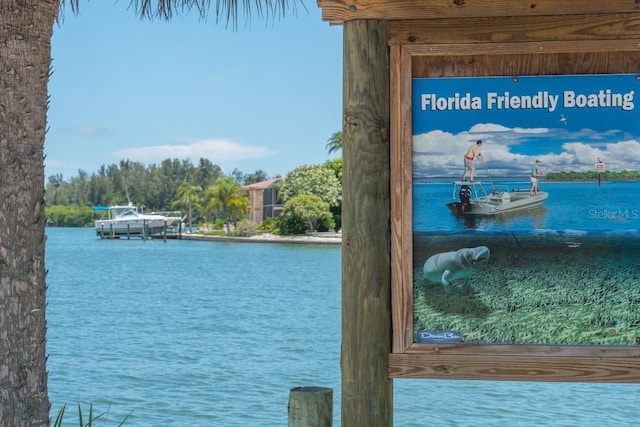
(226, 195)
(188, 195)
(334, 143)
(25, 58)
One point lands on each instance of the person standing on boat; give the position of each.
(535, 173)
(472, 152)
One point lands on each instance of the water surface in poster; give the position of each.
(497, 261)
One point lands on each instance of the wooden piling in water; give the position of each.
(310, 407)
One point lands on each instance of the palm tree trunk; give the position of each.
(25, 59)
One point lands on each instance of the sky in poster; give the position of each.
(568, 122)
(267, 95)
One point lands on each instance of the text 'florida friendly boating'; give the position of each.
(126, 220)
(471, 198)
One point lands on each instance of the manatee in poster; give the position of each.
(445, 267)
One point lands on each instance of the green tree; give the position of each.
(69, 216)
(79, 186)
(101, 190)
(207, 173)
(336, 166)
(134, 184)
(318, 180)
(238, 207)
(188, 195)
(25, 58)
(258, 176)
(237, 175)
(148, 186)
(334, 143)
(53, 184)
(224, 195)
(304, 213)
(173, 172)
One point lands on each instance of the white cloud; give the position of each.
(492, 128)
(217, 150)
(628, 151)
(439, 153)
(623, 155)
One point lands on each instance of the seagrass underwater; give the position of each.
(199, 333)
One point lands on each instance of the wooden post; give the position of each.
(310, 407)
(367, 391)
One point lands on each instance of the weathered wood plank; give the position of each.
(367, 392)
(401, 171)
(502, 49)
(528, 350)
(515, 29)
(340, 11)
(526, 59)
(515, 368)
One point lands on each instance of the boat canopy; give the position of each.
(101, 208)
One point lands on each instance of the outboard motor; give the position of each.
(465, 198)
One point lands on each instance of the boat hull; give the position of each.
(138, 226)
(499, 204)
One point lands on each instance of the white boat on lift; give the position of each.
(126, 220)
(471, 198)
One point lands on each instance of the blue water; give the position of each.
(612, 205)
(188, 333)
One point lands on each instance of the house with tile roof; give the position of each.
(263, 200)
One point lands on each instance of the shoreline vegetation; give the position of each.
(593, 176)
(310, 198)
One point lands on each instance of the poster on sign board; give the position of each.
(517, 238)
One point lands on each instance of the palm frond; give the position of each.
(224, 10)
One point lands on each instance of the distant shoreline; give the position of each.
(315, 238)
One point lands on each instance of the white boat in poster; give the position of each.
(471, 198)
(126, 220)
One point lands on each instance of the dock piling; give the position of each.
(310, 407)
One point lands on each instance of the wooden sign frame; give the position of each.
(516, 362)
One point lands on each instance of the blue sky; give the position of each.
(267, 95)
(565, 136)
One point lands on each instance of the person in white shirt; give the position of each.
(535, 173)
